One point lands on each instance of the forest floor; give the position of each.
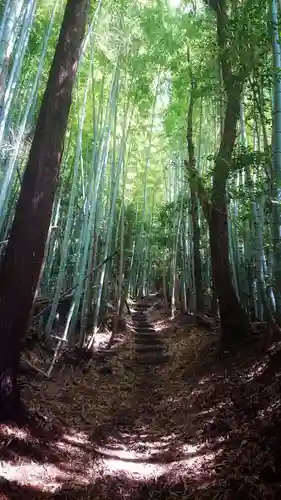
(198, 427)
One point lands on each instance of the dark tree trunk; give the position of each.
(196, 253)
(22, 261)
(234, 320)
(194, 203)
(214, 298)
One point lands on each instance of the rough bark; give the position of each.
(22, 262)
(197, 254)
(214, 298)
(234, 320)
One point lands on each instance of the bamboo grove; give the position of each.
(170, 174)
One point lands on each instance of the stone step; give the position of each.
(152, 360)
(144, 330)
(141, 329)
(142, 322)
(148, 329)
(140, 318)
(148, 340)
(144, 333)
(150, 349)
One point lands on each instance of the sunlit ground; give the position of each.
(154, 460)
(144, 425)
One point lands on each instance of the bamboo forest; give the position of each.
(140, 249)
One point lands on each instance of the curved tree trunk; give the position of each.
(234, 320)
(22, 261)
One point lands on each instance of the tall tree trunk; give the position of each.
(234, 320)
(214, 298)
(22, 262)
(196, 253)
(194, 203)
(276, 156)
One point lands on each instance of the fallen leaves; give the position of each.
(195, 428)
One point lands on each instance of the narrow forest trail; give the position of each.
(150, 348)
(190, 428)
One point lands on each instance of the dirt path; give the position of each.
(191, 428)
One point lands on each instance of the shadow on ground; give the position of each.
(179, 431)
